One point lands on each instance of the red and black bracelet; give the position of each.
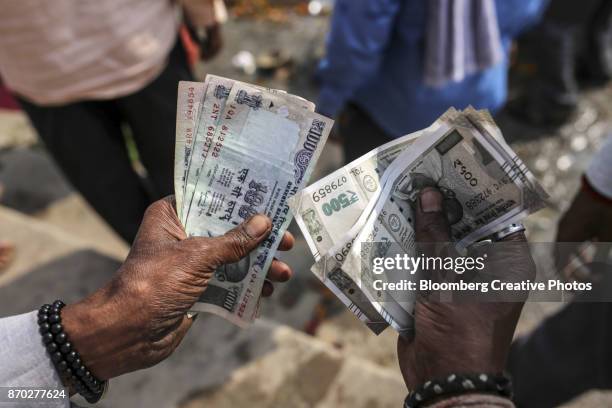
(457, 384)
(65, 358)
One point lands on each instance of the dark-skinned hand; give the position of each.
(465, 337)
(139, 317)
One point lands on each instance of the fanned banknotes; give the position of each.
(241, 150)
(485, 185)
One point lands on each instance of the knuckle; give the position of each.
(201, 249)
(238, 242)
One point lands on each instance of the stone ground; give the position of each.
(59, 239)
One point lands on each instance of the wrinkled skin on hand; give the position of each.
(139, 318)
(466, 336)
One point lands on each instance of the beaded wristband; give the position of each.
(65, 358)
(455, 384)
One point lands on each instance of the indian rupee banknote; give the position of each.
(348, 191)
(188, 110)
(215, 94)
(210, 96)
(485, 186)
(262, 152)
(326, 209)
(316, 211)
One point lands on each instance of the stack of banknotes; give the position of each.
(241, 150)
(371, 200)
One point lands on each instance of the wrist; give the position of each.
(66, 360)
(103, 334)
(457, 357)
(477, 389)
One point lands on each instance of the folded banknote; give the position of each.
(486, 187)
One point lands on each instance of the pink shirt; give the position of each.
(59, 51)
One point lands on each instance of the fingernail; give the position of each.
(431, 200)
(257, 226)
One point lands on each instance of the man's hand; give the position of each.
(466, 337)
(139, 318)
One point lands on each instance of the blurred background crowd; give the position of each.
(87, 118)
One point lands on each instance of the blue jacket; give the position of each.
(375, 59)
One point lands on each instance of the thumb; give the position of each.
(240, 241)
(431, 223)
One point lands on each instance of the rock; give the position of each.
(73, 215)
(350, 335)
(36, 243)
(305, 372)
(70, 278)
(31, 180)
(360, 384)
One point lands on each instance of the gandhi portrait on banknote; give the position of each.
(430, 174)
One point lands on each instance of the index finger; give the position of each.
(287, 242)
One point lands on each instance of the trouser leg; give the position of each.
(151, 114)
(569, 352)
(86, 141)
(359, 132)
(554, 44)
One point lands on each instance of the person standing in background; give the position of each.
(394, 66)
(572, 346)
(83, 71)
(571, 46)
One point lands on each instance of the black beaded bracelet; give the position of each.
(65, 358)
(456, 384)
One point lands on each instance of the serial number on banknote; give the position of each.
(328, 189)
(486, 193)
